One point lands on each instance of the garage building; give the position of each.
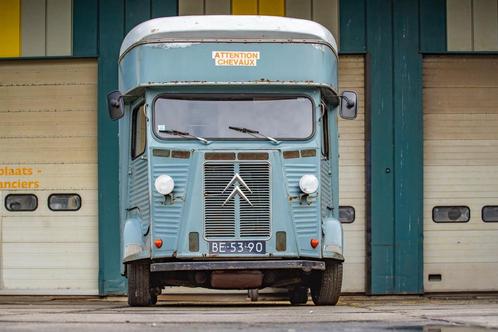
(419, 167)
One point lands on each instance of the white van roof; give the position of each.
(227, 28)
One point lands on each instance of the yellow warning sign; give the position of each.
(235, 58)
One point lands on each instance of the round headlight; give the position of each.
(164, 184)
(308, 184)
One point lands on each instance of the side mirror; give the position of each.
(115, 105)
(349, 105)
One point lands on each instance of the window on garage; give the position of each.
(64, 202)
(490, 213)
(450, 214)
(21, 202)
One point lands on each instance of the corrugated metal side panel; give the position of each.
(326, 187)
(460, 168)
(167, 218)
(306, 218)
(138, 195)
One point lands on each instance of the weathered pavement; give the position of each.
(235, 312)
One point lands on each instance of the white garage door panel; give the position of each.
(461, 153)
(455, 100)
(50, 281)
(49, 150)
(355, 273)
(42, 124)
(43, 98)
(57, 72)
(49, 255)
(352, 152)
(48, 125)
(477, 246)
(22, 230)
(456, 126)
(454, 275)
(460, 169)
(352, 175)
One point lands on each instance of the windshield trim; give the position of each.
(234, 96)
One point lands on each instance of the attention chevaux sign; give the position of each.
(235, 58)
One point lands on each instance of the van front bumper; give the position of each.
(304, 265)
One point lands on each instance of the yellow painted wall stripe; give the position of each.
(244, 7)
(10, 16)
(272, 7)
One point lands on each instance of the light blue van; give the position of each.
(229, 156)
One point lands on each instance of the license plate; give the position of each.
(237, 247)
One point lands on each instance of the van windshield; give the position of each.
(211, 117)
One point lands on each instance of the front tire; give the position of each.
(326, 286)
(139, 290)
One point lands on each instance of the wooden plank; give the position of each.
(190, 7)
(85, 25)
(33, 27)
(352, 26)
(485, 25)
(326, 12)
(137, 11)
(272, 7)
(298, 9)
(163, 8)
(10, 38)
(59, 27)
(218, 7)
(111, 33)
(459, 25)
(432, 26)
(244, 7)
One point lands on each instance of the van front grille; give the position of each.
(237, 217)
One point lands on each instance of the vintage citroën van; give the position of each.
(229, 156)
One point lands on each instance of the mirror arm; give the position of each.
(349, 102)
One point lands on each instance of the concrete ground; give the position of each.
(215, 312)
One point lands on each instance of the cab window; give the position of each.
(139, 134)
(325, 132)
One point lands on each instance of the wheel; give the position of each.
(253, 294)
(326, 286)
(298, 295)
(139, 290)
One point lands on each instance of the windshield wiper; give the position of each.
(162, 129)
(253, 132)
